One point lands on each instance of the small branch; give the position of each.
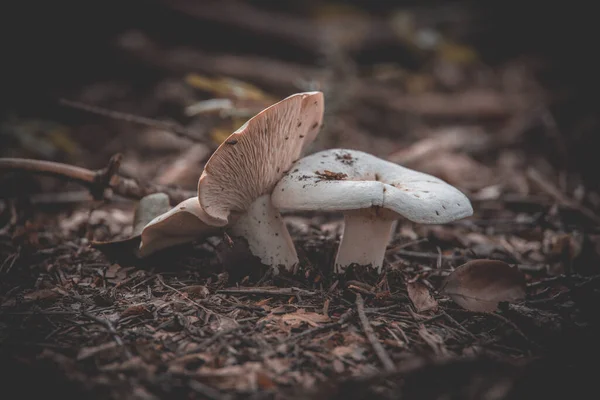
(469, 104)
(458, 324)
(503, 319)
(183, 295)
(324, 328)
(103, 177)
(535, 176)
(205, 344)
(266, 72)
(170, 126)
(111, 329)
(368, 329)
(269, 292)
(430, 256)
(94, 180)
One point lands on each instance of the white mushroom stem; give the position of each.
(268, 238)
(364, 240)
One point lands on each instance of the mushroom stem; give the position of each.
(364, 241)
(268, 238)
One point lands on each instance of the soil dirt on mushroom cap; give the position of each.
(252, 159)
(368, 181)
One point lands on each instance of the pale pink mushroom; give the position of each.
(182, 224)
(235, 186)
(372, 193)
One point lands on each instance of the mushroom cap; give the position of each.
(252, 159)
(182, 224)
(148, 208)
(342, 180)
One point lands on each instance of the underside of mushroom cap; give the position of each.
(182, 224)
(340, 179)
(251, 160)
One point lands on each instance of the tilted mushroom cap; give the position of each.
(148, 208)
(251, 161)
(182, 224)
(339, 180)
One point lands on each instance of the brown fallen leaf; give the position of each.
(135, 310)
(223, 323)
(480, 285)
(196, 291)
(44, 295)
(354, 351)
(311, 318)
(111, 272)
(421, 297)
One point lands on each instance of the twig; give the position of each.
(458, 324)
(184, 295)
(78, 196)
(368, 329)
(263, 71)
(111, 329)
(469, 104)
(205, 344)
(430, 256)
(94, 180)
(548, 187)
(269, 292)
(501, 318)
(324, 328)
(554, 279)
(392, 250)
(170, 126)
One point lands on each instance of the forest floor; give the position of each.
(204, 321)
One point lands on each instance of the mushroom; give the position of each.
(235, 186)
(148, 208)
(182, 224)
(372, 193)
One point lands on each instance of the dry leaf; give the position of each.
(111, 272)
(264, 381)
(135, 310)
(47, 295)
(223, 323)
(227, 87)
(196, 291)
(420, 296)
(480, 285)
(311, 318)
(354, 351)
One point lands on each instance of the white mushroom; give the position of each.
(372, 194)
(148, 208)
(182, 224)
(235, 186)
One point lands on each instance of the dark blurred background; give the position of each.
(113, 53)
